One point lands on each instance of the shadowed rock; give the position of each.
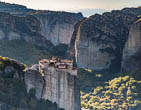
(100, 39)
(132, 52)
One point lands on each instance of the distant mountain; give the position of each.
(89, 12)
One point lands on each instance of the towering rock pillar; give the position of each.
(57, 27)
(131, 60)
(60, 84)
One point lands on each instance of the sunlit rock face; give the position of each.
(57, 27)
(132, 51)
(32, 25)
(42, 29)
(100, 39)
(56, 81)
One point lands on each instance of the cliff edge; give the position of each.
(100, 39)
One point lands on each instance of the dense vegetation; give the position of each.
(110, 92)
(99, 90)
(28, 53)
(118, 94)
(89, 79)
(22, 51)
(5, 61)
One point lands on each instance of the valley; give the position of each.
(99, 59)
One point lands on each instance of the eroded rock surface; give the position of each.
(33, 79)
(100, 39)
(56, 81)
(57, 27)
(22, 28)
(132, 51)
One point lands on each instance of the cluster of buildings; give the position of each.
(57, 63)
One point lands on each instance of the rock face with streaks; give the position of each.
(132, 51)
(50, 31)
(33, 79)
(39, 29)
(22, 28)
(56, 81)
(57, 27)
(100, 39)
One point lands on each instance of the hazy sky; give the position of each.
(73, 5)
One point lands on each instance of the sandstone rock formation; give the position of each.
(56, 81)
(57, 27)
(22, 28)
(100, 39)
(50, 31)
(71, 51)
(15, 94)
(33, 79)
(132, 51)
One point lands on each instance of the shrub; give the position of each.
(115, 95)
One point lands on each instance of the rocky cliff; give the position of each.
(57, 27)
(49, 30)
(56, 81)
(51, 84)
(71, 52)
(22, 28)
(38, 30)
(100, 38)
(131, 54)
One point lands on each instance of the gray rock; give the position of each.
(41, 28)
(34, 80)
(131, 60)
(57, 85)
(58, 27)
(98, 41)
(35, 67)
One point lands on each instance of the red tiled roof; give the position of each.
(55, 60)
(66, 61)
(44, 61)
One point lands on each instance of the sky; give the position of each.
(87, 7)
